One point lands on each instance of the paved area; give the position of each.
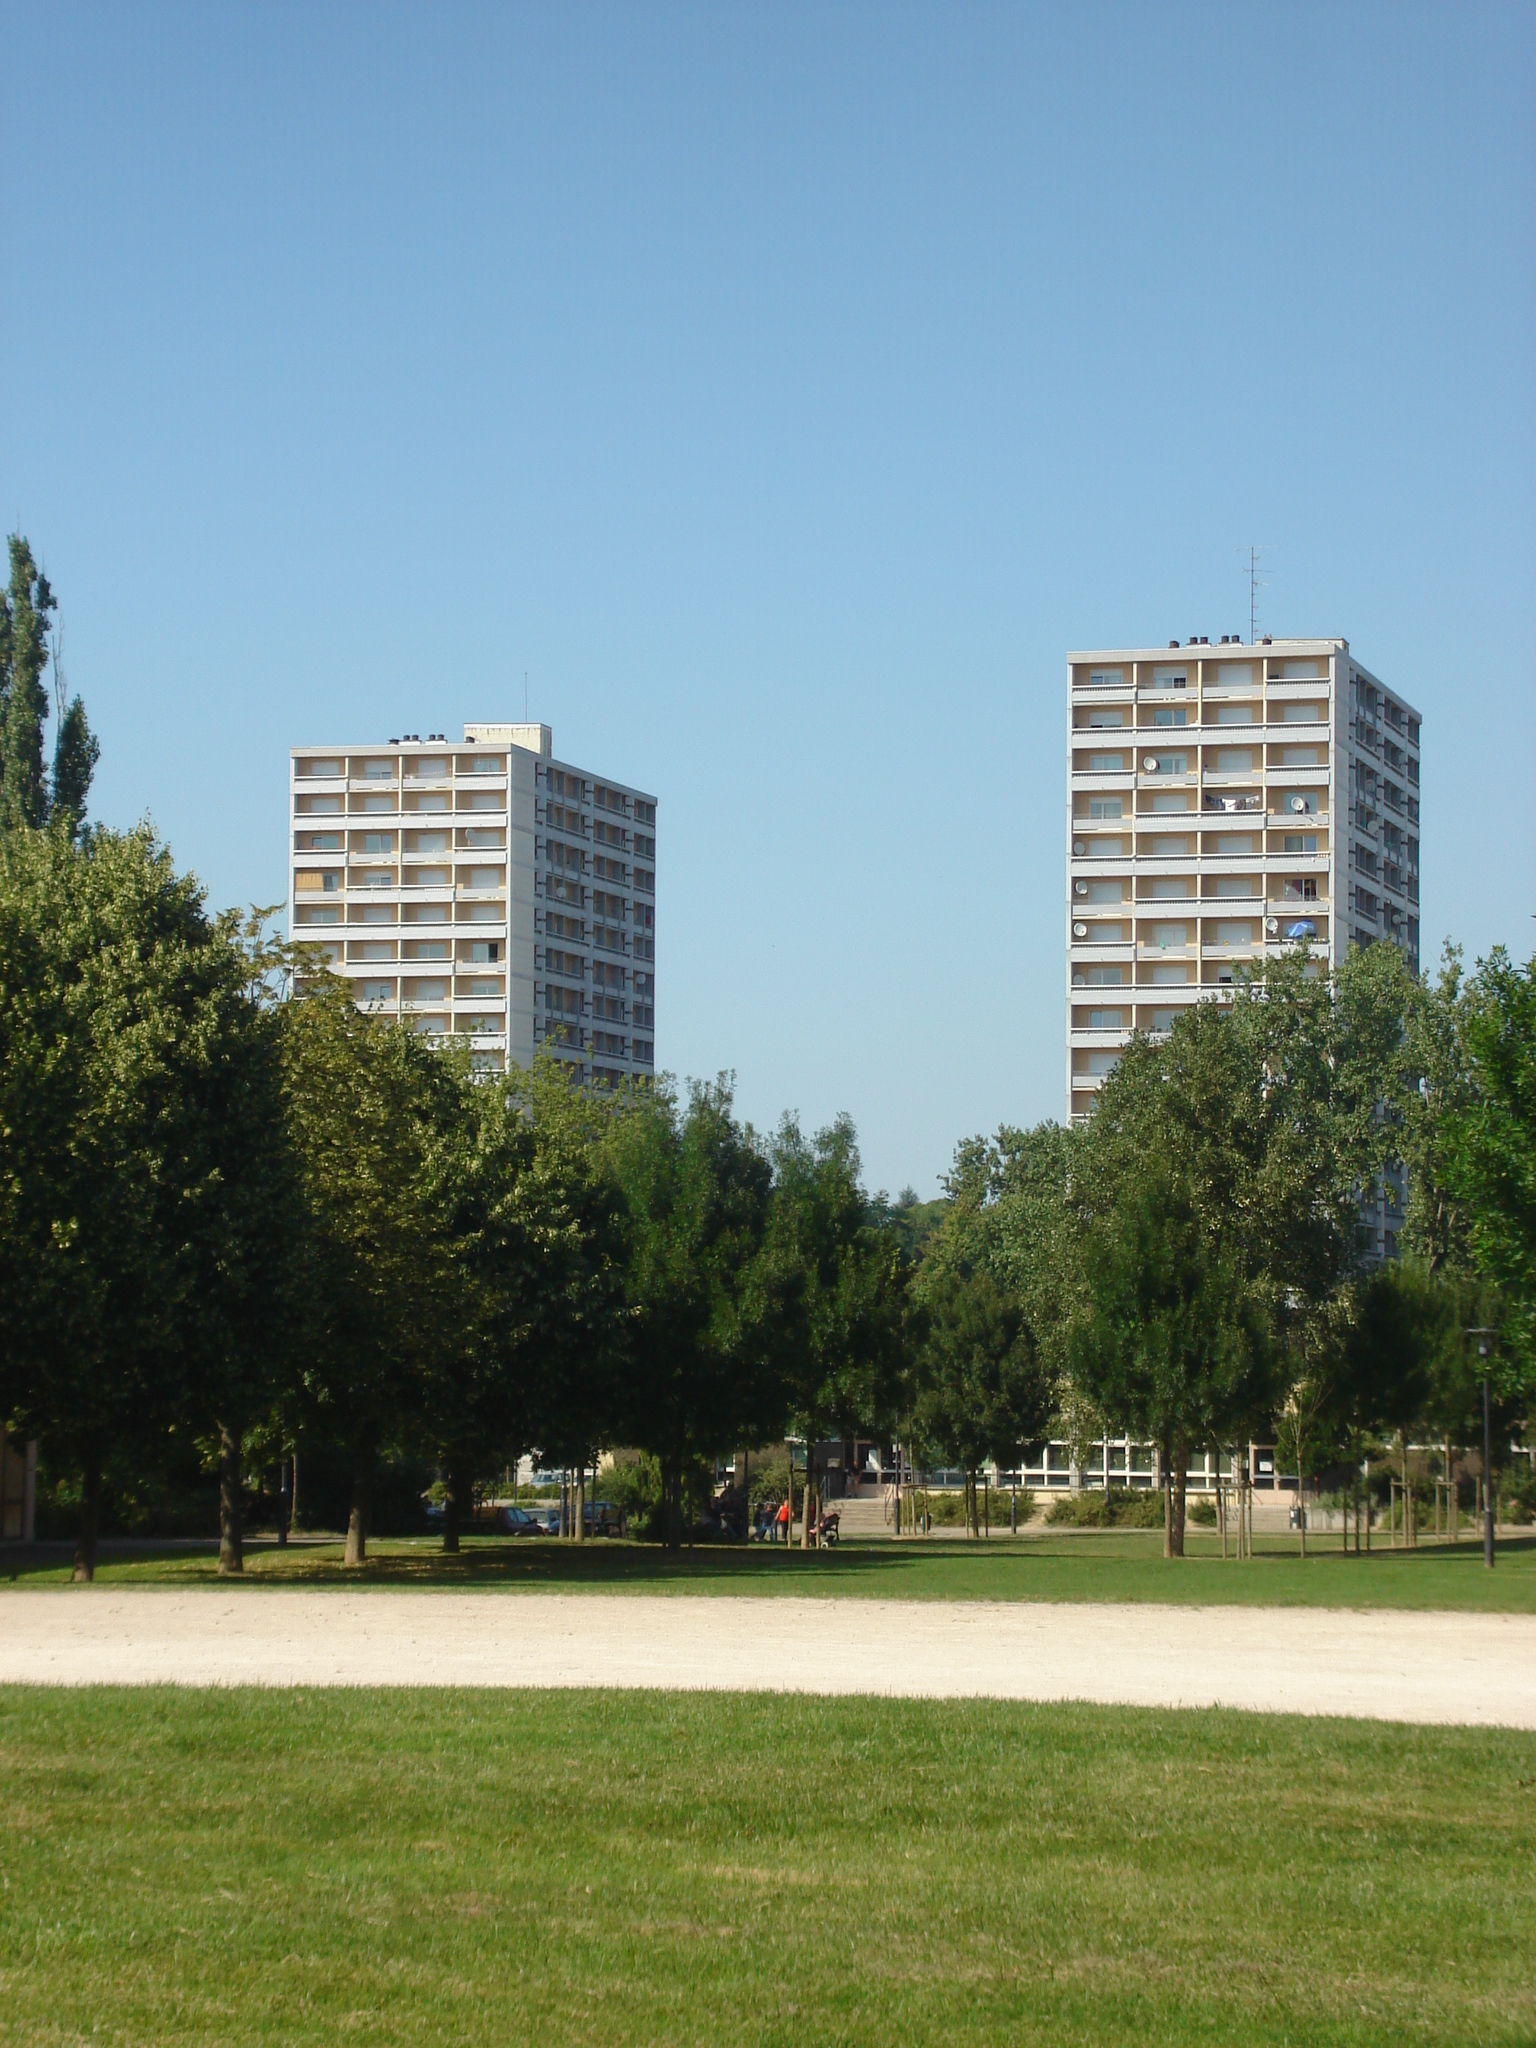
(1470, 1668)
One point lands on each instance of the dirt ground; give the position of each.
(1471, 1668)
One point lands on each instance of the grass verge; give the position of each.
(301, 1867)
(1112, 1565)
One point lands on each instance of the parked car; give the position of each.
(546, 1518)
(515, 1521)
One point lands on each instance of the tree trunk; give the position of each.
(459, 1507)
(1301, 1498)
(1450, 1493)
(1402, 1438)
(231, 1504)
(357, 1519)
(1179, 1480)
(810, 1482)
(284, 1505)
(90, 1517)
(579, 1526)
(293, 1504)
(1167, 1508)
(671, 1487)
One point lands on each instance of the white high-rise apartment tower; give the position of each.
(487, 890)
(1224, 804)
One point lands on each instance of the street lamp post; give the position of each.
(1485, 1352)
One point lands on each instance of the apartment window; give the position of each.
(1106, 764)
(484, 985)
(1303, 889)
(644, 846)
(1302, 714)
(321, 842)
(1106, 678)
(378, 803)
(376, 991)
(1233, 761)
(429, 801)
(1299, 757)
(429, 949)
(1103, 1062)
(374, 951)
(645, 814)
(1170, 885)
(1235, 885)
(485, 800)
(1170, 714)
(1170, 679)
(1162, 1020)
(378, 913)
(320, 767)
(1101, 892)
(1165, 935)
(428, 842)
(1301, 842)
(318, 806)
(378, 771)
(559, 927)
(1234, 714)
(563, 1001)
(486, 878)
(1164, 975)
(485, 950)
(1231, 675)
(1099, 977)
(1105, 807)
(378, 842)
(487, 764)
(1170, 764)
(645, 1052)
(1164, 844)
(1233, 932)
(1106, 717)
(314, 915)
(1104, 1020)
(1168, 800)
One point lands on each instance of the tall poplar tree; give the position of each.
(28, 796)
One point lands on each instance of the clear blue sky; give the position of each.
(785, 389)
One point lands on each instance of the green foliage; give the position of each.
(1114, 1507)
(130, 1075)
(1490, 1140)
(27, 798)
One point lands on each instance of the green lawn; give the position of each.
(297, 1867)
(1120, 1565)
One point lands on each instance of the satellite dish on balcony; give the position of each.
(1271, 924)
(1298, 803)
(1079, 888)
(1079, 846)
(1079, 930)
(1149, 762)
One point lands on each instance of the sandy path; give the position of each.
(1385, 1666)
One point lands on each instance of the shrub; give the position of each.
(1202, 1510)
(1118, 1508)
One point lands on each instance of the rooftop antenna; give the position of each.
(1256, 583)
